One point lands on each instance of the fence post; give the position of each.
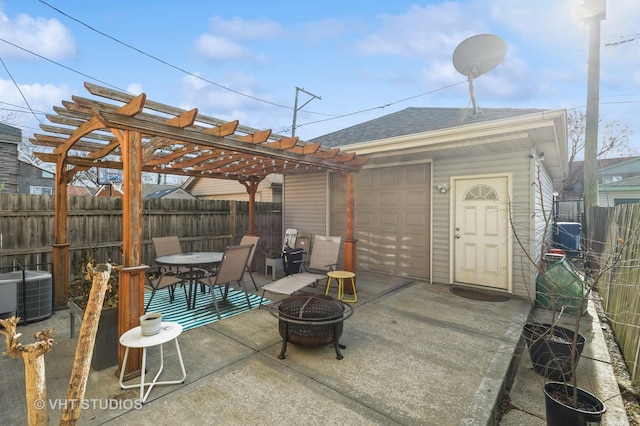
(233, 216)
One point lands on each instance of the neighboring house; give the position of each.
(80, 190)
(148, 191)
(165, 191)
(10, 137)
(113, 190)
(624, 191)
(269, 190)
(34, 180)
(608, 170)
(434, 199)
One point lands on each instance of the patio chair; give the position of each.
(290, 236)
(231, 270)
(166, 245)
(250, 239)
(323, 258)
(324, 254)
(158, 277)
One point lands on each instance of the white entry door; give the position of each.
(481, 232)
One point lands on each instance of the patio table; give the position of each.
(198, 265)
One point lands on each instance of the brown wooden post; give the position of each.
(252, 188)
(34, 368)
(131, 280)
(86, 342)
(350, 241)
(61, 247)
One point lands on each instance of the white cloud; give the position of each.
(40, 96)
(223, 42)
(329, 28)
(240, 29)
(46, 37)
(134, 88)
(423, 32)
(219, 48)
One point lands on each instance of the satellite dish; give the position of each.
(478, 55)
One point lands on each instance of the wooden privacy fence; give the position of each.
(614, 233)
(95, 227)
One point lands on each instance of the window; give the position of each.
(618, 201)
(41, 190)
(47, 175)
(480, 192)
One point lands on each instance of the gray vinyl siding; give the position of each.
(515, 164)
(305, 202)
(543, 202)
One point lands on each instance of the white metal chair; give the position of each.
(290, 236)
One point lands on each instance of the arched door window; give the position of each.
(480, 192)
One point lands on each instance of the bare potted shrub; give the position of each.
(555, 351)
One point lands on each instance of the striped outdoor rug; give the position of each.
(204, 312)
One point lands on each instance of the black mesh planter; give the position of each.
(550, 348)
(105, 350)
(310, 320)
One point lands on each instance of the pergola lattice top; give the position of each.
(175, 141)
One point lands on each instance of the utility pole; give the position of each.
(592, 12)
(296, 108)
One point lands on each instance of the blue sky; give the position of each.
(244, 59)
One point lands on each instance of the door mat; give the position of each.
(481, 295)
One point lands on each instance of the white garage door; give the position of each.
(393, 219)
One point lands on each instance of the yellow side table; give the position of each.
(340, 276)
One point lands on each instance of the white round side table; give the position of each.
(134, 339)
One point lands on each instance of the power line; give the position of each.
(20, 91)
(61, 65)
(162, 60)
(383, 106)
(625, 39)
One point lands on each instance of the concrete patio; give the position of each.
(415, 354)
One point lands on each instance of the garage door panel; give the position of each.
(365, 181)
(417, 176)
(389, 218)
(419, 219)
(417, 198)
(389, 178)
(366, 199)
(388, 199)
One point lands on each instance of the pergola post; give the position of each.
(131, 280)
(252, 188)
(61, 246)
(350, 241)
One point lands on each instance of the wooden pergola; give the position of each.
(138, 135)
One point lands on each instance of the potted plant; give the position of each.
(272, 256)
(105, 353)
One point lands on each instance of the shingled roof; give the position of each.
(416, 120)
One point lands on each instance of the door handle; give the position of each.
(457, 235)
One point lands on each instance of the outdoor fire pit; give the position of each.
(310, 320)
